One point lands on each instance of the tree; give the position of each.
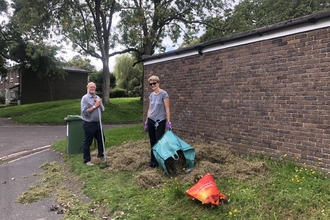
(3, 70)
(96, 77)
(88, 24)
(38, 58)
(128, 75)
(251, 14)
(41, 59)
(78, 61)
(30, 57)
(280, 10)
(145, 24)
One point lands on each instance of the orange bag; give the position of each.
(206, 191)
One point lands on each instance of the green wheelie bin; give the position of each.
(74, 134)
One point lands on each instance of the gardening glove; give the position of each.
(145, 127)
(169, 125)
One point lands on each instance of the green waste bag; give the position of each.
(170, 150)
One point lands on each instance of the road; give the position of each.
(19, 138)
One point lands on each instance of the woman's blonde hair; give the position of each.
(154, 78)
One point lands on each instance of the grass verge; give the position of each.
(120, 110)
(286, 192)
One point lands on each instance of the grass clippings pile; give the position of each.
(177, 164)
(219, 161)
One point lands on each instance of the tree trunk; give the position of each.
(106, 82)
(50, 88)
(142, 83)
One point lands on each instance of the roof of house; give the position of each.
(75, 69)
(66, 68)
(312, 19)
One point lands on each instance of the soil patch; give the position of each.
(219, 161)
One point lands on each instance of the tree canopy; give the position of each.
(39, 58)
(251, 14)
(145, 24)
(3, 70)
(128, 75)
(79, 61)
(142, 25)
(86, 24)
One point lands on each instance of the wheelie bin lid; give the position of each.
(73, 118)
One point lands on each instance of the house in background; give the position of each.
(19, 87)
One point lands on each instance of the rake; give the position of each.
(102, 136)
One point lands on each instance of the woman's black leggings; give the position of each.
(156, 130)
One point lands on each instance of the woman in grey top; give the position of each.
(158, 115)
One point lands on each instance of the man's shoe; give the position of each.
(89, 163)
(100, 156)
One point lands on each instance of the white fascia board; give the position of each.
(264, 36)
(173, 57)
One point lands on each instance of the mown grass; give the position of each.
(289, 191)
(123, 110)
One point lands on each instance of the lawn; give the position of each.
(256, 187)
(123, 110)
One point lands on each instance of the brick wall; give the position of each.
(269, 97)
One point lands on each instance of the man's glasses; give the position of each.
(152, 84)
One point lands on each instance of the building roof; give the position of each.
(261, 33)
(65, 68)
(75, 69)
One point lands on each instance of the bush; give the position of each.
(118, 93)
(2, 100)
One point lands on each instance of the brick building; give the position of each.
(262, 91)
(24, 88)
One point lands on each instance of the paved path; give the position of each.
(16, 177)
(23, 149)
